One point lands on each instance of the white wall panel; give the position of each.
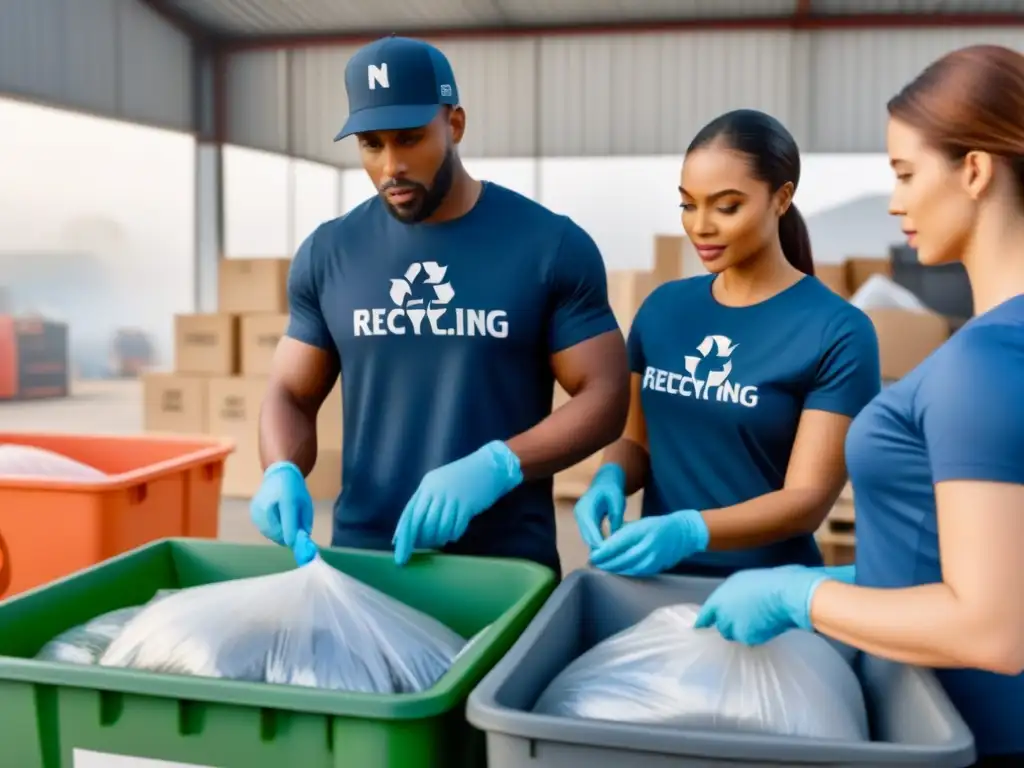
(110, 57)
(856, 72)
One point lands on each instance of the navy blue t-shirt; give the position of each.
(445, 334)
(957, 416)
(723, 389)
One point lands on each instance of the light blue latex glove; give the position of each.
(844, 573)
(653, 544)
(605, 498)
(282, 510)
(755, 606)
(450, 496)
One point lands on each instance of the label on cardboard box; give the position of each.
(206, 344)
(174, 403)
(260, 335)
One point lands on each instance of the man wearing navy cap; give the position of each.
(449, 306)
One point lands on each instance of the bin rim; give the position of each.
(451, 688)
(485, 713)
(207, 450)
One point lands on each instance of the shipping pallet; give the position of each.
(837, 537)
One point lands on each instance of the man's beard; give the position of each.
(428, 199)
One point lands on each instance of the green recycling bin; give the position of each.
(65, 716)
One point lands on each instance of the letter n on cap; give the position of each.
(377, 76)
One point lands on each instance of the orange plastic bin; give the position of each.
(157, 487)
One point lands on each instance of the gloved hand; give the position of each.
(653, 544)
(844, 573)
(606, 497)
(755, 606)
(450, 496)
(282, 510)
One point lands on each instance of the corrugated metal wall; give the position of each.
(615, 94)
(109, 57)
(855, 73)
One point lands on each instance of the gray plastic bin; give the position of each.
(912, 720)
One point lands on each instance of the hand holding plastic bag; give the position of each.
(663, 671)
(312, 626)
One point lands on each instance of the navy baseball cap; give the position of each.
(396, 83)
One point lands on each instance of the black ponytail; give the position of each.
(795, 240)
(775, 159)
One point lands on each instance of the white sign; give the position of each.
(82, 758)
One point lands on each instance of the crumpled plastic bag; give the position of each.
(882, 292)
(312, 626)
(29, 461)
(663, 671)
(86, 643)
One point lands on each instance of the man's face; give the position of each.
(412, 169)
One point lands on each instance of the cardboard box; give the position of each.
(860, 268)
(324, 482)
(668, 258)
(174, 403)
(259, 336)
(329, 422)
(253, 285)
(906, 338)
(206, 344)
(835, 276)
(233, 410)
(627, 289)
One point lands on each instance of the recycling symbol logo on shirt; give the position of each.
(722, 347)
(422, 273)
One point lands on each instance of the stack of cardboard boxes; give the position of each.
(905, 338)
(222, 364)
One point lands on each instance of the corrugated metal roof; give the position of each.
(294, 17)
(261, 18)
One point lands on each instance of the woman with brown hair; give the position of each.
(937, 459)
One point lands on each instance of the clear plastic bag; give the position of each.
(311, 626)
(86, 643)
(28, 461)
(663, 671)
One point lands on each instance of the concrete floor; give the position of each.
(115, 407)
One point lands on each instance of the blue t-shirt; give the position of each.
(957, 416)
(445, 334)
(723, 389)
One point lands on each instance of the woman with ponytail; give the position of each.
(744, 381)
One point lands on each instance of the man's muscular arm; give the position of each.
(588, 360)
(301, 378)
(594, 374)
(305, 367)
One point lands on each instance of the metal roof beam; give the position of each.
(802, 20)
